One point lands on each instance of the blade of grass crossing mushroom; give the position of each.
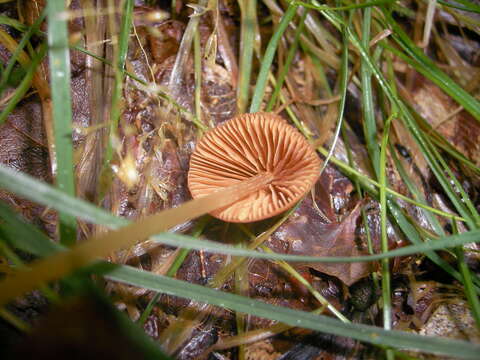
(32, 241)
(370, 334)
(85, 253)
(262, 78)
(59, 60)
(21, 184)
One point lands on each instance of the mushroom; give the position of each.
(259, 150)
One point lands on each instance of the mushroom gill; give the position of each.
(260, 149)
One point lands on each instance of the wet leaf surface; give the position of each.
(306, 232)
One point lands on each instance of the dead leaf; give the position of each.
(306, 234)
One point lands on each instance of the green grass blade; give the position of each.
(118, 66)
(38, 244)
(417, 195)
(450, 185)
(369, 124)
(24, 85)
(427, 67)
(367, 4)
(291, 54)
(370, 334)
(470, 292)
(215, 247)
(386, 286)
(13, 59)
(262, 79)
(25, 236)
(59, 59)
(17, 25)
(30, 188)
(248, 20)
(467, 5)
(343, 84)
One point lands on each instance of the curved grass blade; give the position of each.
(262, 79)
(370, 334)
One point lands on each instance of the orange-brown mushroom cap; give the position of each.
(250, 145)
